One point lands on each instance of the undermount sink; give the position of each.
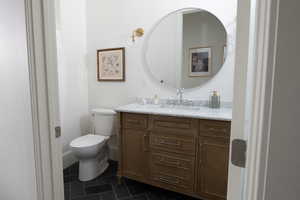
(169, 106)
(172, 104)
(180, 107)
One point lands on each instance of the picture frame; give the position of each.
(200, 62)
(111, 64)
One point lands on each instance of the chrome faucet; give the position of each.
(180, 92)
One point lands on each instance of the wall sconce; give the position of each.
(139, 32)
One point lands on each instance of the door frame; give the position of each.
(255, 68)
(40, 21)
(264, 68)
(43, 78)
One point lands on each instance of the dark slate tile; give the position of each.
(93, 182)
(98, 189)
(106, 187)
(66, 172)
(67, 191)
(67, 195)
(176, 196)
(108, 196)
(137, 189)
(154, 196)
(121, 191)
(77, 189)
(88, 197)
(105, 179)
(136, 197)
(110, 171)
(140, 197)
(74, 169)
(131, 182)
(113, 180)
(68, 179)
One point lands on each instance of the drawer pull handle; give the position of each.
(165, 180)
(175, 163)
(133, 121)
(215, 129)
(164, 142)
(145, 144)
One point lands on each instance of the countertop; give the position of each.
(200, 112)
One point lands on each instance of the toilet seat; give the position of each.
(88, 141)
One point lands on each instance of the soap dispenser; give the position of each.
(215, 100)
(156, 99)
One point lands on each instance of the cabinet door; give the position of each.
(213, 159)
(135, 154)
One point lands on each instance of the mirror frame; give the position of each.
(152, 78)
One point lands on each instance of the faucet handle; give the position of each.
(180, 91)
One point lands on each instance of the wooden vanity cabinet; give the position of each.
(213, 159)
(134, 146)
(185, 155)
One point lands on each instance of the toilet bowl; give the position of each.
(91, 150)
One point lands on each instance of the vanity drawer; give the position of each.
(172, 181)
(172, 143)
(135, 121)
(215, 128)
(172, 163)
(173, 124)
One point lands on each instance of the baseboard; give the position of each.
(68, 159)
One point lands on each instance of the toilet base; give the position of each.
(92, 168)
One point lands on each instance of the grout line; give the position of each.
(114, 192)
(147, 197)
(116, 197)
(69, 191)
(126, 186)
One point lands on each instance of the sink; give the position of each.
(172, 105)
(169, 107)
(180, 107)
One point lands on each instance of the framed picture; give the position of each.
(111, 64)
(200, 61)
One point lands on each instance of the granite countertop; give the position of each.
(199, 112)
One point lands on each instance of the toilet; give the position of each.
(91, 150)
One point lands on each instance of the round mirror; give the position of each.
(186, 48)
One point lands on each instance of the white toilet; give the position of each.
(91, 150)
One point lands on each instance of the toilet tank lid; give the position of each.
(103, 111)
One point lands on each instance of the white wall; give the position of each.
(73, 83)
(284, 162)
(17, 169)
(110, 24)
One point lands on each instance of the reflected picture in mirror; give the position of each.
(200, 61)
(186, 48)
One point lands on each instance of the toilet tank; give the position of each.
(104, 121)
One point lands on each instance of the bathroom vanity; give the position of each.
(173, 145)
(186, 151)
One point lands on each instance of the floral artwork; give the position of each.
(111, 64)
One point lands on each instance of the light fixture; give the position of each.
(139, 32)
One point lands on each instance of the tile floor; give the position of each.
(106, 187)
